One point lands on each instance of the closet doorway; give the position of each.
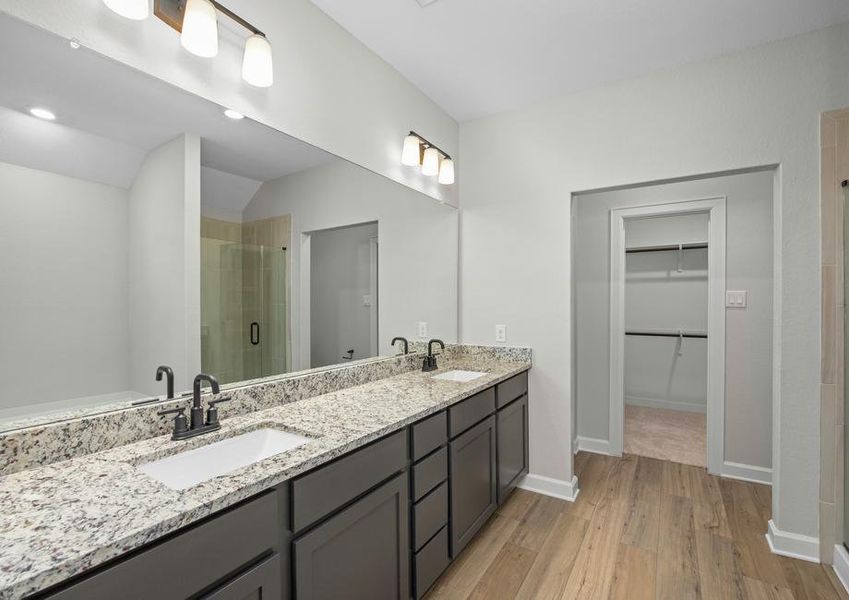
(667, 328)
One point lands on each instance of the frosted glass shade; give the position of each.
(137, 10)
(446, 171)
(411, 154)
(257, 65)
(200, 28)
(430, 164)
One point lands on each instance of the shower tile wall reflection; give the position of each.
(244, 290)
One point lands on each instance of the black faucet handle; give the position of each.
(212, 411)
(181, 423)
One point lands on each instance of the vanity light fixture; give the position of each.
(137, 10)
(433, 160)
(233, 114)
(200, 28)
(42, 113)
(197, 22)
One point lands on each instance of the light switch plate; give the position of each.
(423, 330)
(500, 333)
(736, 298)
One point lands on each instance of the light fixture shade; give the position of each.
(200, 28)
(430, 163)
(257, 65)
(137, 10)
(446, 171)
(411, 154)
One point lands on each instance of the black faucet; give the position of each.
(188, 428)
(197, 408)
(430, 360)
(169, 377)
(401, 339)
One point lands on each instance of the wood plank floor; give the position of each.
(642, 528)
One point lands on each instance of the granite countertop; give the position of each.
(62, 519)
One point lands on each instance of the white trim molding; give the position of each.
(752, 473)
(665, 404)
(784, 543)
(548, 486)
(841, 565)
(715, 207)
(594, 445)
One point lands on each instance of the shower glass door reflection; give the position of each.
(845, 365)
(243, 310)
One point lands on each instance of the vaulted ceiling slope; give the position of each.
(478, 57)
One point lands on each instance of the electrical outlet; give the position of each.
(501, 333)
(423, 330)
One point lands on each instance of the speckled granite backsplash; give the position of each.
(48, 443)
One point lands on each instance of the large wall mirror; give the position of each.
(141, 226)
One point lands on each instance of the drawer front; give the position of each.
(470, 411)
(430, 473)
(430, 434)
(320, 492)
(430, 515)
(513, 388)
(217, 547)
(430, 562)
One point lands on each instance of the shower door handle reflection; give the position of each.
(254, 333)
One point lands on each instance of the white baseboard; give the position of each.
(667, 404)
(841, 565)
(548, 486)
(751, 473)
(594, 445)
(803, 547)
(575, 447)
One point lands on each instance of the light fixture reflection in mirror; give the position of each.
(257, 66)
(200, 28)
(42, 113)
(137, 10)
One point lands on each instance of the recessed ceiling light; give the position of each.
(75, 43)
(42, 113)
(233, 114)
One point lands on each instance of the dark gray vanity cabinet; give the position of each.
(352, 525)
(359, 553)
(512, 445)
(473, 482)
(237, 554)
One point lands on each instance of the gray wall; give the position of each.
(63, 268)
(340, 276)
(164, 265)
(748, 365)
(663, 372)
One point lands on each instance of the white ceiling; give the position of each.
(110, 115)
(477, 57)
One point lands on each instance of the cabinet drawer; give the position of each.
(429, 434)
(470, 411)
(430, 562)
(430, 515)
(429, 473)
(509, 390)
(216, 547)
(320, 492)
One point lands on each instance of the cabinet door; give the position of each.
(472, 477)
(362, 552)
(512, 428)
(262, 582)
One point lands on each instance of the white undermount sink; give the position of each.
(461, 376)
(183, 470)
